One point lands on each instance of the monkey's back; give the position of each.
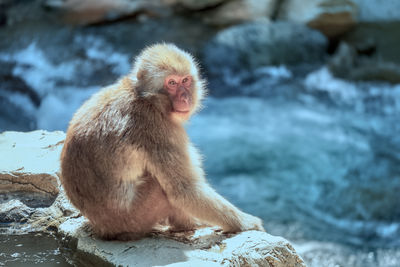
(100, 171)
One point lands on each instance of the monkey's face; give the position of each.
(179, 89)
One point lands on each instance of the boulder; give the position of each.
(204, 247)
(348, 63)
(84, 12)
(196, 4)
(379, 40)
(30, 165)
(240, 11)
(331, 17)
(29, 184)
(14, 211)
(234, 54)
(13, 87)
(253, 45)
(15, 84)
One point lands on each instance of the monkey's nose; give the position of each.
(184, 97)
(183, 100)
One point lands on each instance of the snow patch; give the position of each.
(323, 80)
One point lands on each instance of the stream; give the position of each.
(316, 157)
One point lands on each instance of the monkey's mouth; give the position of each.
(181, 107)
(182, 112)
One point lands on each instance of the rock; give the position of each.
(35, 156)
(15, 84)
(331, 17)
(205, 247)
(369, 52)
(348, 64)
(56, 61)
(84, 12)
(29, 163)
(378, 40)
(245, 48)
(227, 12)
(12, 116)
(196, 4)
(239, 11)
(3, 15)
(22, 219)
(252, 45)
(13, 92)
(14, 211)
(30, 191)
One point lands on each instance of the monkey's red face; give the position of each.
(179, 89)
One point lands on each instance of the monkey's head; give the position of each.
(171, 75)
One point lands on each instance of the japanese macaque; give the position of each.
(128, 164)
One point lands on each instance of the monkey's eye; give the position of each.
(171, 82)
(185, 80)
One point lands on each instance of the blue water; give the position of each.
(320, 165)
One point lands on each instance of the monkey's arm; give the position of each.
(183, 181)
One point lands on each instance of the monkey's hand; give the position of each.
(252, 223)
(247, 222)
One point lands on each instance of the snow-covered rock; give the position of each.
(331, 17)
(253, 45)
(29, 162)
(239, 11)
(204, 247)
(29, 167)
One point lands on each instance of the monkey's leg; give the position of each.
(180, 221)
(209, 206)
(199, 200)
(128, 236)
(134, 219)
(186, 189)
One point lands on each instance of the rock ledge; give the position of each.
(32, 201)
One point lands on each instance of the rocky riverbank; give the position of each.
(32, 201)
(301, 124)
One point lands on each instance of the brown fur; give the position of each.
(127, 164)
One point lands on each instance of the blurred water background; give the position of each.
(301, 126)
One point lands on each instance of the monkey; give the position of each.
(128, 164)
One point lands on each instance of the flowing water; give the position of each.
(319, 161)
(317, 158)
